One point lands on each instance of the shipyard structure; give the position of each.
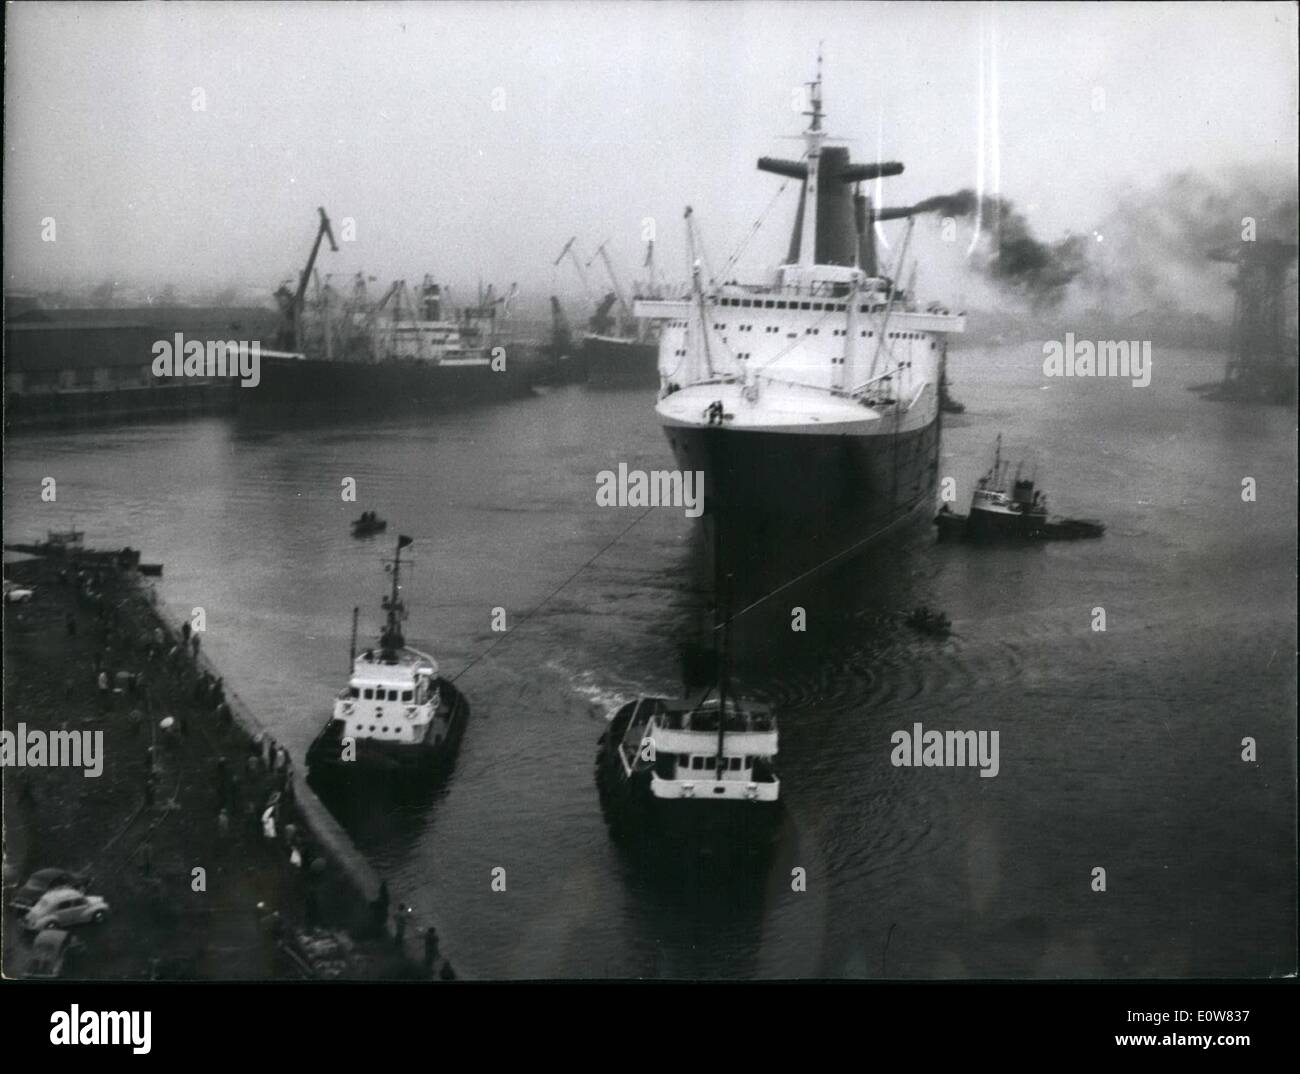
(1261, 364)
(93, 366)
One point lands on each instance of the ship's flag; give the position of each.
(402, 542)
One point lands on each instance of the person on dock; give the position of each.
(104, 695)
(194, 644)
(430, 949)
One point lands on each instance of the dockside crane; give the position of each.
(324, 231)
(577, 264)
(603, 254)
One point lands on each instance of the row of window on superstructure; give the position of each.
(781, 304)
(776, 328)
(375, 694)
(699, 762)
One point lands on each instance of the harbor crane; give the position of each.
(613, 279)
(577, 264)
(324, 231)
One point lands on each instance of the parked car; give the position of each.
(42, 881)
(18, 594)
(51, 953)
(61, 908)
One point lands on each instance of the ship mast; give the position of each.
(814, 136)
(392, 639)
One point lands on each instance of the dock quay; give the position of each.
(216, 858)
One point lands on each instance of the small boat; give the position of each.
(397, 716)
(1019, 513)
(368, 525)
(929, 621)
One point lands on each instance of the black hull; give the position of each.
(795, 504)
(289, 385)
(380, 762)
(620, 363)
(983, 528)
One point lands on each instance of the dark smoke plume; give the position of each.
(1011, 255)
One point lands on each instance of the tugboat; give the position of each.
(1021, 514)
(368, 525)
(396, 716)
(700, 774)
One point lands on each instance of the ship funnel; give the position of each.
(864, 222)
(838, 231)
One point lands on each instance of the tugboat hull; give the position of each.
(642, 822)
(377, 760)
(982, 527)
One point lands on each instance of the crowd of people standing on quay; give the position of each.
(153, 684)
(148, 674)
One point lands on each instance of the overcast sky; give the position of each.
(608, 113)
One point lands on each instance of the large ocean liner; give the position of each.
(811, 401)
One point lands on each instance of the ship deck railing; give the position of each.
(854, 395)
(707, 720)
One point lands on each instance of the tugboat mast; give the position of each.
(722, 628)
(391, 639)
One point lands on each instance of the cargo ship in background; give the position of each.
(618, 350)
(402, 351)
(812, 400)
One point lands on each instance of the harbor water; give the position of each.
(1119, 749)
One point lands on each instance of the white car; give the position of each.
(17, 594)
(61, 908)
